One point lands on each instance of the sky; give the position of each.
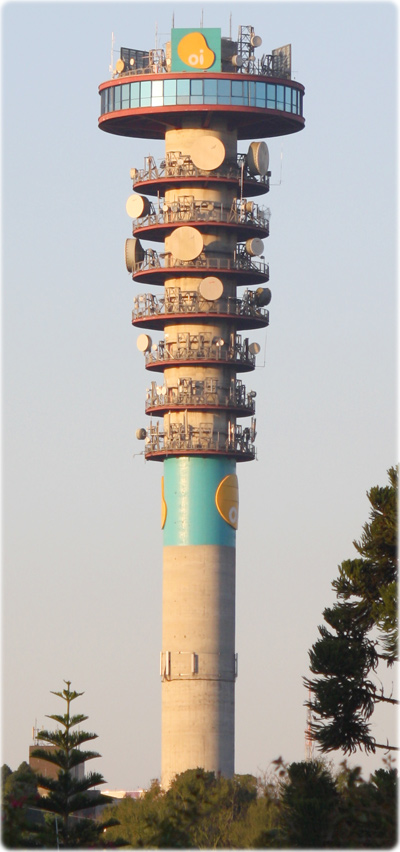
(82, 544)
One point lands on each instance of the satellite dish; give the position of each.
(186, 243)
(120, 66)
(211, 288)
(133, 174)
(134, 253)
(258, 158)
(263, 296)
(254, 348)
(207, 153)
(143, 343)
(141, 434)
(137, 205)
(254, 246)
(256, 41)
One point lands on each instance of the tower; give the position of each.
(199, 205)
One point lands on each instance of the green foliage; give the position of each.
(5, 772)
(198, 811)
(298, 806)
(366, 816)
(19, 794)
(309, 801)
(372, 579)
(363, 632)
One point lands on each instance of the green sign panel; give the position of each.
(196, 50)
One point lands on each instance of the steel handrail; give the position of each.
(171, 352)
(186, 302)
(243, 262)
(183, 399)
(186, 168)
(157, 441)
(196, 214)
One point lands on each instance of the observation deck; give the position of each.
(145, 106)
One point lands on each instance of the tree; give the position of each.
(70, 792)
(19, 797)
(309, 801)
(366, 816)
(296, 806)
(363, 633)
(199, 811)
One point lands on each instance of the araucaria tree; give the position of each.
(71, 792)
(360, 631)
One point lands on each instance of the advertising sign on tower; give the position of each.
(196, 50)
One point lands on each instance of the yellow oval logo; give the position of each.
(163, 505)
(194, 51)
(227, 500)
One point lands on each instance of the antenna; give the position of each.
(309, 743)
(230, 25)
(173, 20)
(156, 44)
(201, 22)
(112, 52)
(261, 366)
(280, 170)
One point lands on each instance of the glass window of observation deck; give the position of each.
(196, 91)
(224, 91)
(271, 96)
(183, 91)
(260, 94)
(135, 94)
(210, 91)
(169, 92)
(239, 92)
(157, 93)
(145, 93)
(125, 96)
(280, 97)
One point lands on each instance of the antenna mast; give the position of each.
(112, 52)
(309, 742)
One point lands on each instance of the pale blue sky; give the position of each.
(82, 549)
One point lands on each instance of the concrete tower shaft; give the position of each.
(198, 209)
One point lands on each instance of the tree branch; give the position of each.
(384, 698)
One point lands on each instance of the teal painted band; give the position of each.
(190, 484)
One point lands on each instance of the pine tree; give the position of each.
(68, 795)
(363, 633)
